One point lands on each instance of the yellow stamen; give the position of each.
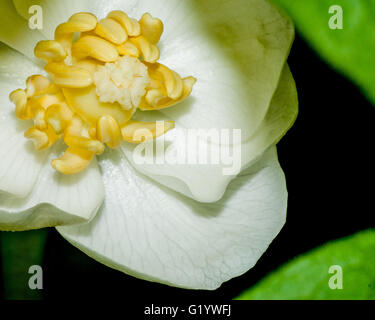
(38, 116)
(58, 116)
(128, 49)
(85, 143)
(75, 136)
(80, 22)
(50, 50)
(44, 101)
(131, 26)
(94, 47)
(92, 132)
(89, 65)
(150, 52)
(19, 98)
(172, 81)
(42, 139)
(108, 131)
(75, 127)
(68, 76)
(37, 85)
(138, 131)
(73, 160)
(111, 30)
(152, 28)
(102, 73)
(163, 103)
(153, 96)
(39, 138)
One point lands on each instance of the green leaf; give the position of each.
(20, 251)
(351, 49)
(307, 277)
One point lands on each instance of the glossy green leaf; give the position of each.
(351, 49)
(309, 277)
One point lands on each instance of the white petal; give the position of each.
(15, 31)
(187, 178)
(15, 68)
(58, 11)
(32, 194)
(19, 163)
(56, 199)
(153, 233)
(236, 50)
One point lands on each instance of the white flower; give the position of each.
(183, 225)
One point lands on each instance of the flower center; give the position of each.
(102, 72)
(123, 81)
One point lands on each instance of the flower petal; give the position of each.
(19, 164)
(15, 32)
(156, 234)
(56, 199)
(59, 11)
(32, 194)
(187, 178)
(14, 68)
(236, 50)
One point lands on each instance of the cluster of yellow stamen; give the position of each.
(70, 106)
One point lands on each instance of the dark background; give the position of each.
(329, 164)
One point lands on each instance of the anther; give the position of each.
(138, 131)
(73, 160)
(150, 52)
(42, 139)
(39, 121)
(50, 50)
(151, 28)
(80, 22)
(153, 96)
(164, 103)
(128, 49)
(171, 80)
(85, 143)
(19, 98)
(68, 76)
(58, 116)
(37, 85)
(108, 131)
(111, 30)
(94, 47)
(131, 26)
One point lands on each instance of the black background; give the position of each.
(330, 168)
